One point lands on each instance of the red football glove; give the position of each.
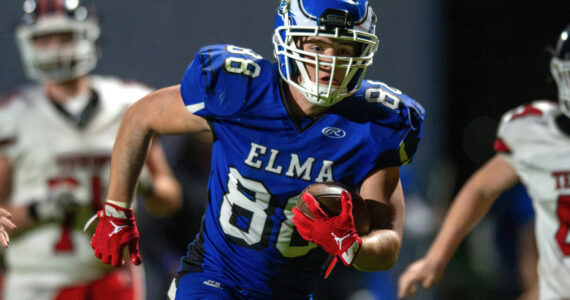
(116, 229)
(336, 235)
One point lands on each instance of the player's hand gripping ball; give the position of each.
(327, 195)
(325, 215)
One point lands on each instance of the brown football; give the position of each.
(327, 195)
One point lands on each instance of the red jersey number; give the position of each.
(563, 211)
(64, 243)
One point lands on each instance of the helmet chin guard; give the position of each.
(71, 59)
(339, 20)
(560, 69)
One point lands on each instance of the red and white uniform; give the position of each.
(49, 151)
(540, 153)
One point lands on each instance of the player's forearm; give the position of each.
(129, 154)
(20, 215)
(165, 196)
(161, 112)
(470, 205)
(25, 215)
(381, 246)
(161, 191)
(379, 251)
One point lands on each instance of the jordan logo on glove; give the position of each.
(117, 228)
(339, 240)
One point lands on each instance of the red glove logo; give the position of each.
(336, 235)
(116, 230)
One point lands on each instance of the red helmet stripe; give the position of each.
(42, 7)
(50, 6)
(58, 5)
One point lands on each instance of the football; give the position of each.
(327, 195)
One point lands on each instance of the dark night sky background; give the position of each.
(499, 53)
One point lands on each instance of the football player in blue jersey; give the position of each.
(278, 127)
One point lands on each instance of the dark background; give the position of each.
(499, 53)
(466, 62)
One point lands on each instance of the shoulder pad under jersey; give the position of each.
(119, 91)
(13, 105)
(518, 124)
(387, 107)
(217, 81)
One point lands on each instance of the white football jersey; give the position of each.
(49, 152)
(539, 151)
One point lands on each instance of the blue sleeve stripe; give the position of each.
(207, 69)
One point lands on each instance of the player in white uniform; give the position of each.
(56, 140)
(533, 146)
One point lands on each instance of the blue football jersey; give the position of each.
(262, 159)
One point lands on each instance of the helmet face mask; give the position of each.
(339, 21)
(74, 57)
(560, 69)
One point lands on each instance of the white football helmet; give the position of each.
(57, 64)
(560, 69)
(347, 20)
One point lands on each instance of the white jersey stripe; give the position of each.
(195, 107)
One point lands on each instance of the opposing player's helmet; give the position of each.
(348, 20)
(560, 69)
(76, 58)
